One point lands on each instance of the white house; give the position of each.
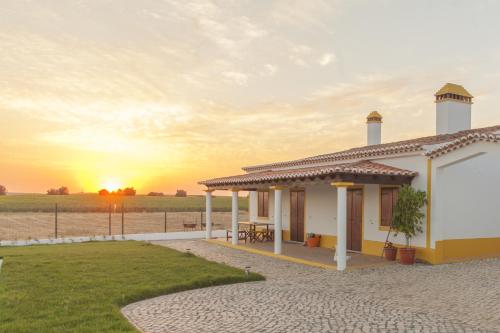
(348, 196)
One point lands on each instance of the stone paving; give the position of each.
(462, 297)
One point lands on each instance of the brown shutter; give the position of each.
(389, 197)
(259, 203)
(265, 204)
(386, 207)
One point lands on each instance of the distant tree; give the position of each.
(63, 190)
(129, 191)
(181, 193)
(103, 192)
(3, 190)
(155, 194)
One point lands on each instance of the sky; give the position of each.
(161, 94)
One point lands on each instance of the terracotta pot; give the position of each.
(407, 256)
(390, 253)
(313, 241)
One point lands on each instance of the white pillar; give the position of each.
(277, 219)
(341, 249)
(234, 218)
(208, 217)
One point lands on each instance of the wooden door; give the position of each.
(297, 200)
(354, 219)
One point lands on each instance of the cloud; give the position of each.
(269, 70)
(327, 59)
(299, 55)
(238, 78)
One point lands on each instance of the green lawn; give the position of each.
(94, 202)
(81, 287)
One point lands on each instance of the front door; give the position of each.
(297, 215)
(354, 219)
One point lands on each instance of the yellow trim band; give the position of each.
(342, 184)
(277, 187)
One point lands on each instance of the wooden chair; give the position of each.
(242, 235)
(263, 234)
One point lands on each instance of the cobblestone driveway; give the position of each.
(461, 297)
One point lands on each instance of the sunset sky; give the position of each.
(162, 94)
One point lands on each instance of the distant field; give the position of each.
(97, 203)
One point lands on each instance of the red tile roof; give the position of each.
(392, 148)
(462, 142)
(356, 168)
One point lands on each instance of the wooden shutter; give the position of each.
(388, 199)
(386, 207)
(263, 204)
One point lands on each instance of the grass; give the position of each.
(95, 203)
(81, 287)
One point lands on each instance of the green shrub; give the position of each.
(407, 216)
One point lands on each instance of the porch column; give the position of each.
(208, 211)
(278, 227)
(234, 217)
(341, 249)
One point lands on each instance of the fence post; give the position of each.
(55, 224)
(109, 219)
(165, 220)
(123, 220)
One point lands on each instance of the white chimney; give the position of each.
(453, 109)
(374, 128)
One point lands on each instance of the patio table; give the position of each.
(252, 232)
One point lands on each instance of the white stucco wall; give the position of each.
(321, 209)
(466, 193)
(415, 162)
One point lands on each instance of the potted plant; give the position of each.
(312, 239)
(390, 251)
(407, 218)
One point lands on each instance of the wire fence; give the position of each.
(115, 221)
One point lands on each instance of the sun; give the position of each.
(111, 185)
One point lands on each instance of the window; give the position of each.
(263, 204)
(388, 198)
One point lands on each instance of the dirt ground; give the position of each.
(21, 226)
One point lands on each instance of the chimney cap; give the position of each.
(374, 117)
(451, 88)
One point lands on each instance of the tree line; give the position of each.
(128, 191)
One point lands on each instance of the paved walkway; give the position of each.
(461, 297)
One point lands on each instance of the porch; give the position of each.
(336, 187)
(309, 256)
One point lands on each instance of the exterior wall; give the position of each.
(465, 202)
(452, 116)
(372, 201)
(321, 209)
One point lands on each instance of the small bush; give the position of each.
(155, 194)
(181, 194)
(3, 190)
(129, 191)
(63, 190)
(103, 192)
